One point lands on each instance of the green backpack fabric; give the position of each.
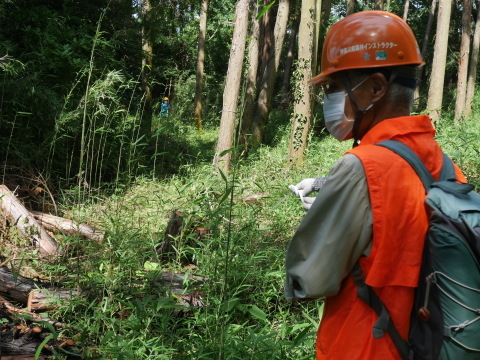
(445, 319)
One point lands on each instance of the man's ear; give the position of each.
(380, 86)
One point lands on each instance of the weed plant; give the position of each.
(245, 315)
(125, 312)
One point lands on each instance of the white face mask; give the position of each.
(336, 121)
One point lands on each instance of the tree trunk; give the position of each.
(200, 64)
(26, 223)
(405, 10)
(251, 81)
(302, 95)
(262, 108)
(326, 10)
(266, 38)
(431, 15)
(350, 7)
(232, 87)
(472, 71)
(435, 92)
(316, 36)
(147, 55)
(288, 65)
(463, 61)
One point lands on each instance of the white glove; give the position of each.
(303, 188)
(307, 202)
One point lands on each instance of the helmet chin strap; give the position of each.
(358, 112)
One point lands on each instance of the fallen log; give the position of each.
(56, 223)
(19, 346)
(36, 296)
(16, 287)
(10, 310)
(26, 223)
(41, 300)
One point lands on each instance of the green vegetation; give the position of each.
(71, 108)
(126, 313)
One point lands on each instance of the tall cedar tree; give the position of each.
(435, 93)
(302, 113)
(147, 63)
(200, 64)
(251, 80)
(463, 60)
(266, 87)
(426, 36)
(232, 88)
(472, 69)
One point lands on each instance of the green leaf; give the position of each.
(42, 345)
(265, 9)
(301, 336)
(257, 312)
(151, 266)
(225, 152)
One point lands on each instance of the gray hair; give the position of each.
(401, 95)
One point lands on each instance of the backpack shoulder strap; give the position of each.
(447, 172)
(384, 323)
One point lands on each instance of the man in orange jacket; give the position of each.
(370, 210)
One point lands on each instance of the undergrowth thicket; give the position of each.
(124, 312)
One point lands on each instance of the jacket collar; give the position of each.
(390, 128)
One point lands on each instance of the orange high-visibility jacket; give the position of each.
(399, 226)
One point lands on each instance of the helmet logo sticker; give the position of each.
(366, 56)
(381, 55)
(368, 46)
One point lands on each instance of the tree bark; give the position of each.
(302, 95)
(147, 56)
(472, 71)
(405, 10)
(11, 311)
(16, 287)
(70, 227)
(42, 300)
(326, 11)
(200, 65)
(463, 61)
(266, 38)
(232, 88)
(26, 223)
(288, 65)
(435, 92)
(262, 108)
(18, 349)
(431, 15)
(350, 7)
(251, 81)
(316, 36)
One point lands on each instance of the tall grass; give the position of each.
(127, 314)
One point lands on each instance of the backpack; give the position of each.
(445, 319)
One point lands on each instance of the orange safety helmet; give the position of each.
(368, 39)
